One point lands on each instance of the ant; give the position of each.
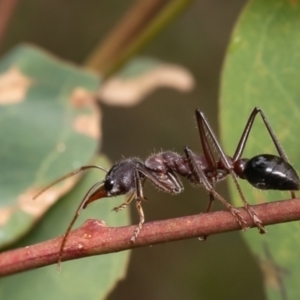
(263, 171)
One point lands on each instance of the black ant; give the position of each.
(264, 171)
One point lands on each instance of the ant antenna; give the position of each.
(82, 205)
(67, 176)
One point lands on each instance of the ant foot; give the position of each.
(136, 233)
(239, 219)
(256, 220)
(133, 238)
(118, 208)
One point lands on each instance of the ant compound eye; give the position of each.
(108, 185)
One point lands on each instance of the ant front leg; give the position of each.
(139, 198)
(123, 205)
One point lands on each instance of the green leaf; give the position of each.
(49, 126)
(262, 69)
(97, 275)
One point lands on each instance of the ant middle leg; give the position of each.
(141, 221)
(203, 180)
(139, 195)
(211, 200)
(254, 216)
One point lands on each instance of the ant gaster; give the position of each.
(264, 171)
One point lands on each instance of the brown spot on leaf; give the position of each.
(13, 86)
(5, 213)
(128, 92)
(39, 206)
(36, 208)
(86, 124)
(82, 97)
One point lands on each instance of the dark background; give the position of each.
(222, 267)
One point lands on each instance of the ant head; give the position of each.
(121, 178)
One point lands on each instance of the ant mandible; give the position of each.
(264, 171)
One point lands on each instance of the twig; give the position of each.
(94, 238)
(144, 21)
(7, 8)
(131, 24)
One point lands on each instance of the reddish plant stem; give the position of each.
(7, 8)
(128, 28)
(94, 238)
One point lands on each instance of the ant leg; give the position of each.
(141, 222)
(232, 210)
(202, 179)
(275, 141)
(123, 205)
(211, 197)
(254, 216)
(211, 200)
(139, 197)
(244, 137)
(203, 123)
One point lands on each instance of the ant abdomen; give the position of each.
(270, 172)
